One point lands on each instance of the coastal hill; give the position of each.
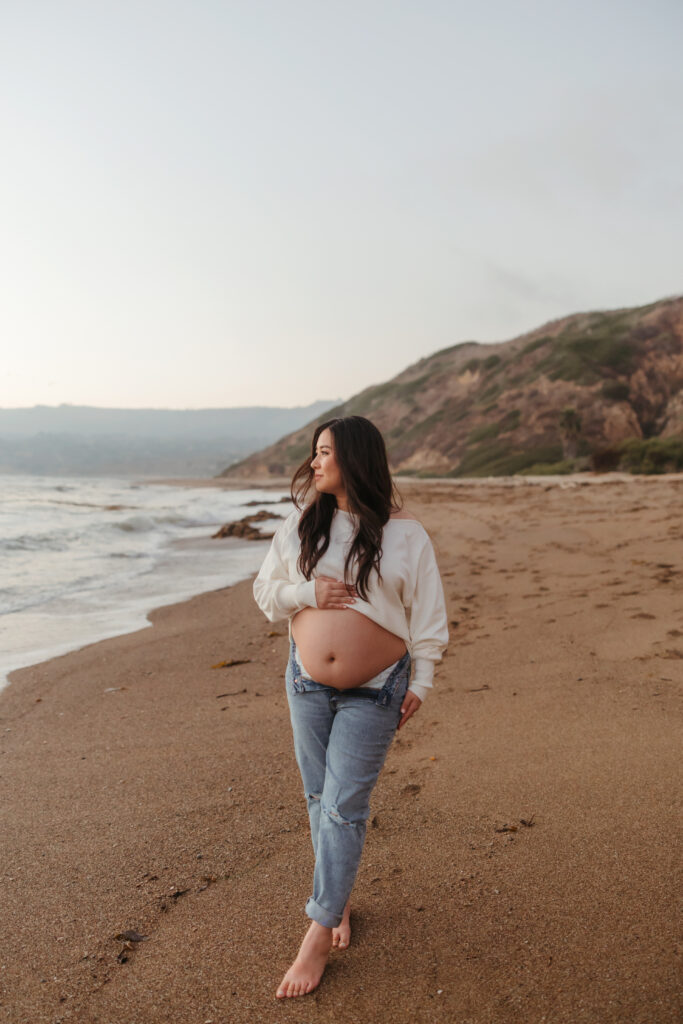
(84, 440)
(599, 390)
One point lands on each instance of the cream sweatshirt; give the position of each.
(408, 602)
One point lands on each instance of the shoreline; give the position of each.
(519, 480)
(133, 792)
(129, 629)
(156, 564)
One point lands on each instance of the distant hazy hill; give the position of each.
(190, 442)
(598, 389)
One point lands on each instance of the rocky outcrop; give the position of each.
(245, 529)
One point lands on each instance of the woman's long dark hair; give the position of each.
(370, 494)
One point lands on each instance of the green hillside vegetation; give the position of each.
(654, 455)
(591, 391)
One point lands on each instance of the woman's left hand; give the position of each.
(411, 704)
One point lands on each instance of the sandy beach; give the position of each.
(522, 856)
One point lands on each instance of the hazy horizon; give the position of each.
(163, 408)
(256, 204)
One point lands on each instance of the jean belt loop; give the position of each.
(387, 692)
(296, 671)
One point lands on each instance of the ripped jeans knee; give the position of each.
(352, 819)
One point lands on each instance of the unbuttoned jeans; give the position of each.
(341, 739)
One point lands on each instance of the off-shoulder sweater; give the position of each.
(408, 601)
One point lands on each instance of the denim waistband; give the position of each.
(300, 684)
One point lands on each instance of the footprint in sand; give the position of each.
(643, 615)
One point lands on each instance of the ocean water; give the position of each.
(84, 558)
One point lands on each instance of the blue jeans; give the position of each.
(341, 739)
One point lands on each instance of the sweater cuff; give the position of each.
(423, 673)
(305, 595)
(419, 691)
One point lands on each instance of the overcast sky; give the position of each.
(237, 202)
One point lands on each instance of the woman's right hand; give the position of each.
(331, 593)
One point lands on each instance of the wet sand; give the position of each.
(521, 861)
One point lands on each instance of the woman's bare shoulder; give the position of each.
(403, 514)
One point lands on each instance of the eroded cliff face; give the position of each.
(658, 380)
(673, 417)
(619, 422)
(488, 409)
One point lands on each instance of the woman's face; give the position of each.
(328, 478)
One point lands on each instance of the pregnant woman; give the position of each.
(358, 581)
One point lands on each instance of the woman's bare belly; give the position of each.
(343, 648)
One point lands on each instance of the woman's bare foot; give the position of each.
(341, 936)
(307, 970)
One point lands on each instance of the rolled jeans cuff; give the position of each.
(324, 917)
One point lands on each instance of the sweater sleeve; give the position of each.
(277, 594)
(428, 620)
